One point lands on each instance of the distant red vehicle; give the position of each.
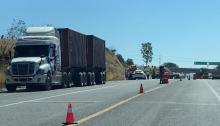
(165, 79)
(130, 72)
(196, 76)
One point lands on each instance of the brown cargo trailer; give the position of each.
(73, 56)
(82, 57)
(73, 49)
(96, 58)
(95, 52)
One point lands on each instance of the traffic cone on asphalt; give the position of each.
(141, 89)
(69, 115)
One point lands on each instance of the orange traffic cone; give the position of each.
(141, 89)
(69, 115)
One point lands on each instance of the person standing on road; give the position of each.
(154, 73)
(148, 75)
(161, 74)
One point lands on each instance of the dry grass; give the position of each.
(2, 79)
(114, 69)
(6, 45)
(3, 67)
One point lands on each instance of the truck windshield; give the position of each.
(31, 51)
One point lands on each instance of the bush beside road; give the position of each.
(6, 47)
(3, 67)
(2, 79)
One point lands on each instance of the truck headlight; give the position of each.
(40, 71)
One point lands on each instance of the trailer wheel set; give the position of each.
(83, 79)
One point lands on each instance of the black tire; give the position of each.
(98, 78)
(80, 81)
(93, 79)
(47, 85)
(89, 79)
(104, 79)
(101, 78)
(85, 79)
(70, 82)
(64, 80)
(11, 88)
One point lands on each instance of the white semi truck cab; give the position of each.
(36, 59)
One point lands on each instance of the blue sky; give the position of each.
(181, 31)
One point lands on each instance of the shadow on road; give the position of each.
(23, 89)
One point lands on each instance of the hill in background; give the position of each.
(114, 68)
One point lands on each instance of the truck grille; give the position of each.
(23, 68)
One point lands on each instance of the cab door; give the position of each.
(55, 65)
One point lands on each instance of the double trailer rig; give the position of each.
(47, 56)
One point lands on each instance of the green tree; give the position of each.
(170, 65)
(129, 62)
(120, 58)
(147, 52)
(18, 28)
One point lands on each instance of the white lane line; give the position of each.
(4, 95)
(54, 96)
(155, 88)
(213, 90)
(87, 118)
(64, 102)
(181, 103)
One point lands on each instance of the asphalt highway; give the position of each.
(117, 103)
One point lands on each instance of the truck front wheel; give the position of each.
(47, 85)
(11, 88)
